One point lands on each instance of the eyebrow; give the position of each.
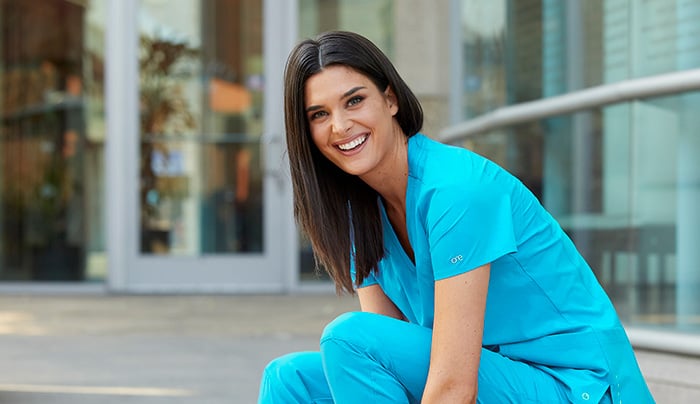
(345, 95)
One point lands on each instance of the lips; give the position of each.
(353, 144)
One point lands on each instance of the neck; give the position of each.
(391, 179)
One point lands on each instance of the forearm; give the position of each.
(457, 335)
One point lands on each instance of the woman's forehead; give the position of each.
(338, 72)
(333, 81)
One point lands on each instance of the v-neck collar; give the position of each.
(410, 210)
(391, 233)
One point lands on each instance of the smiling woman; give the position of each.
(443, 248)
(345, 122)
(341, 191)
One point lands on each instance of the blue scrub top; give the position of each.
(544, 304)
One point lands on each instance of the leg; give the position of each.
(369, 358)
(503, 380)
(295, 378)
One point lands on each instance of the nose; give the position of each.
(341, 123)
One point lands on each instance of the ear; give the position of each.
(391, 100)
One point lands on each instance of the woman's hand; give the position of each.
(460, 304)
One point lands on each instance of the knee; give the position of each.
(283, 369)
(347, 327)
(352, 334)
(283, 379)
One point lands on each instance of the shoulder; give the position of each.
(438, 169)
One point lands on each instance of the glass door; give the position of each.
(51, 140)
(212, 211)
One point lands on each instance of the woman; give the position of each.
(469, 289)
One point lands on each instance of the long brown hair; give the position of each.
(338, 211)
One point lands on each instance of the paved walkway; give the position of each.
(189, 349)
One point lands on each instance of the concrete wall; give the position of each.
(421, 55)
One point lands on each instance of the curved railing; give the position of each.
(669, 83)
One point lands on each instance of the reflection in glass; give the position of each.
(622, 179)
(483, 38)
(201, 92)
(232, 206)
(166, 66)
(631, 207)
(51, 144)
(518, 51)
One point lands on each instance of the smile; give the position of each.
(353, 143)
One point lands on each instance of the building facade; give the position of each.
(142, 146)
(592, 104)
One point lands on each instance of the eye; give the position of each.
(317, 115)
(355, 100)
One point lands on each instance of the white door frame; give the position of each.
(128, 269)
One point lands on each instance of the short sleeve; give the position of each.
(469, 228)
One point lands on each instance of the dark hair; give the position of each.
(338, 211)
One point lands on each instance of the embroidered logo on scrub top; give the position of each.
(456, 259)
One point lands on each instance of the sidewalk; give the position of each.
(189, 349)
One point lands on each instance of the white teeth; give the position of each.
(353, 144)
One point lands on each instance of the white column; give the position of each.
(280, 34)
(121, 145)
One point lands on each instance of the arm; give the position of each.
(460, 304)
(374, 300)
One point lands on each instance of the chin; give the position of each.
(356, 173)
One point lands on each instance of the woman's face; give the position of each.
(351, 120)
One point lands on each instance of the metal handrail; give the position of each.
(664, 340)
(606, 94)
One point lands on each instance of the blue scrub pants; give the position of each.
(369, 358)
